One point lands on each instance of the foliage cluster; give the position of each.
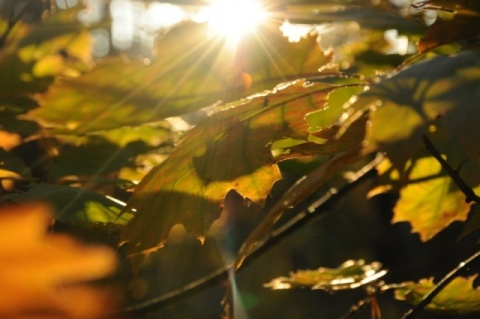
(85, 134)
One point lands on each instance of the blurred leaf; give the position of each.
(10, 108)
(43, 271)
(432, 203)
(229, 150)
(458, 297)
(466, 7)
(367, 15)
(188, 73)
(9, 162)
(95, 157)
(349, 275)
(65, 51)
(73, 205)
(460, 27)
(34, 56)
(29, 65)
(150, 134)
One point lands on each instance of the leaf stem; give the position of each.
(470, 195)
(412, 313)
(212, 279)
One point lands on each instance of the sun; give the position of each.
(232, 19)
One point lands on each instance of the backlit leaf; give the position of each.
(349, 275)
(331, 114)
(429, 198)
(445, 88)
(431, 204)
(437, 98)
(188, 73)
(458, 297)
(229, 150)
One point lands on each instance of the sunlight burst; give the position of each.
(232, 19)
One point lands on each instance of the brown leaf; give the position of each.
(447, 31)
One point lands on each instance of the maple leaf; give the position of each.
(229, 150)
(432, 204)
(349, 275)
(458, 297)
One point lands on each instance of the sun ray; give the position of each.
(233, 19)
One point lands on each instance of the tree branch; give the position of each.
(13, 20)
(470, 195)
(412, 313)
(317, 208)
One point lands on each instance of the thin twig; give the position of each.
(412, 313)
(357, 307)
(470, 195)
(375, 290)
(212, 279)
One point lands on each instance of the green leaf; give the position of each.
(188, 73)
(458, 297)
(229, 150)
(73, 205)
(349, 275)
(331, 114)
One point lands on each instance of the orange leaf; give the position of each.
(44, 272)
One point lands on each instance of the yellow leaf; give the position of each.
(458, 297)
(431, 204)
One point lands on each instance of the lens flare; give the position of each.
(232, 19)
